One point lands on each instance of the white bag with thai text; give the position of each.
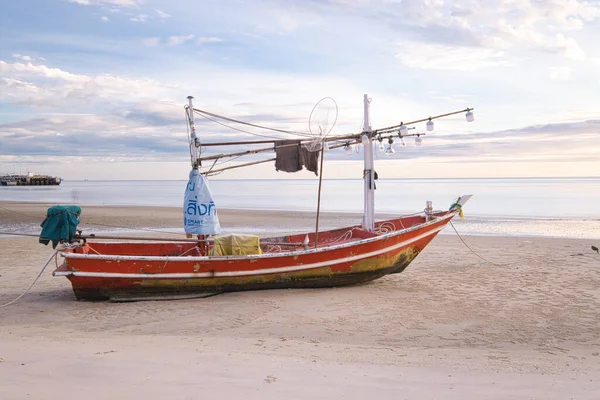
(199, 210)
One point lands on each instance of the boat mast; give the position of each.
(368, 173)
(194, 142)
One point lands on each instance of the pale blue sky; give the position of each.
(89, 84)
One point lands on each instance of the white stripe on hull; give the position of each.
(293, 268)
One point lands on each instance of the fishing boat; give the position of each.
(207, 261)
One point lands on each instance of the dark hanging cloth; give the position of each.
(375, 177)
(287, 158)
(293, 157)
(310, 159)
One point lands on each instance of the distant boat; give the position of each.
(30, 179)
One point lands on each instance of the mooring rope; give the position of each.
(59, 248)
(477, 254)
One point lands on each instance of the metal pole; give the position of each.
(194, 142)
(368, 173)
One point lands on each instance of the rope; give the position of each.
(205, 113)
(187, 128)
(59, 248)
(18, 213)
(237, 129)
(83, 222)
(474, 252)
(19, 234)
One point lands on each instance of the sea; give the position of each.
(549, 207)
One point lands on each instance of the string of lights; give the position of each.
(390, 134)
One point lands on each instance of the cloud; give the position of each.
(490, 25)
(139, 18)
(151, 42)
(162, 14)
(12, 84)
(91, 135)
(56, 88)
(209, 39)
(445, 57)
(118, 3)
(287, 22)
(523, 35)
(20, 69)
(22, 57)
(560, 73)
(541, 143)
(104, 18)
(179, 40)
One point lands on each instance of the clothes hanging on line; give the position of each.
(290, 158)
(287, 158)
(310, 159)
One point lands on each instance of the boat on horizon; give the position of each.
(208, 262)
(30, 179)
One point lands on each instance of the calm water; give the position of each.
(561, 207)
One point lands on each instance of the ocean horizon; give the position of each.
(553, 207)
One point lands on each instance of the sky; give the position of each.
(95, 89)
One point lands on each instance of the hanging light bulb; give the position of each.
(470, 117)
(390, 150)
(403, 129)
(380, 140)
(348, 149)
(429, 125)
(356, 148)
(364, 139)
(418, 140)
(325, 147)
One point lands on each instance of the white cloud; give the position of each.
(179, 40)
(104, 18)
(507, 25)
(210, 39)
(151, 42)
(560, 73)
(139, 18)
(287, 22)
(118, 3)
(17, 85)
(507, 34)
(162, 14)
(30, 69)
(22, 57)
(56, 88)
(445, 57)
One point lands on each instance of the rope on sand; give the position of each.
(474, 252)
(59, 248)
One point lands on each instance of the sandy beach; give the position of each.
(452, 326)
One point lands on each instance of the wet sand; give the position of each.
(451, 326)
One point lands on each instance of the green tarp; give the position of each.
(60, 224)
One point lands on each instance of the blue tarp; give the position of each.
(60, 224)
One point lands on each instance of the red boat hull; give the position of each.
(134, 271)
